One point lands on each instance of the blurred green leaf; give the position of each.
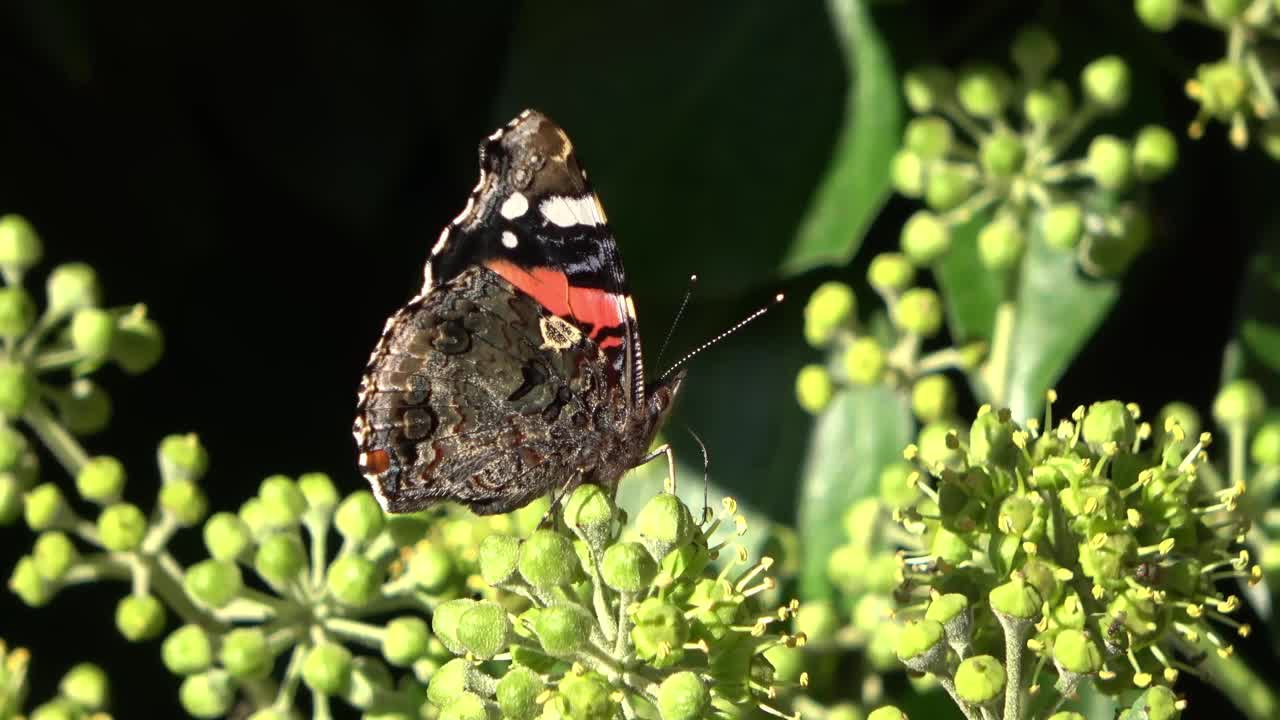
(862, 430)
(1056, 313)
(1254, 352)
(856, 183)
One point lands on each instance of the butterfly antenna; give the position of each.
(688, 291)
(706, 474)
(741, 324)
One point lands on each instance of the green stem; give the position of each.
(1259, 76)
(949, 685)
(55, 437)
(1237, 437)
(356, 631)
(1067, 135)
(1014, 637)
(56, 359)
(292, 675)
(1250, 693)
(995, 372)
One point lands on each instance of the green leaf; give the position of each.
(861, 431)
(1254, 351)
(1058, 311)
(971, 292)
(856, 183)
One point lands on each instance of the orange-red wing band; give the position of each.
(601, 309)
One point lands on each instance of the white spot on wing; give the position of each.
(568, 211)
(509, 240)
(514, 206)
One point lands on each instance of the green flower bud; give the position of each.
(890, 273)
(814, 388)
(664, 524)
(983, 90)
(907, 173)
(214, 582)
(660, 632)
(932, 442)
(430, 566)
(20, 246)
(980, 680)
(207, 695)
(991, 439)
(1224, 11)
(1157, 703)
(70, 287)
(354, 580)
(1067, 715)
(830, 307)
(1222, 88)
(445, 620)
(245, 653)
(1062, 226)
(91, 331)
(17, 313)
(919, 311)
(1155, 152)
(187, 650)
(517, 693)
(44, 508)
(562, 630)
(1017, 512)
(140, 617)
(53, 554)
(498, 558)
(1034, 51)
(484, 629)
(1106, 82)
(1239, 402)
(138, 342)
(101, 480)
(29, 585)
(895, 485)
(925, 238)
(327, 669)
(1001, 243)
(947, 186)
(817, 619)
(627, 567)
(864, 361)
(547, 560)
(359, 518)
(1016, 599)
(86, 686)
(925, 87)
(933, 397)
(1074, 651)
(950, 547)
(929, 137)
(319, 491)
(1109, 421)
(1265, 448)
(1180, 414)
(17, 388)
(589, 512)
(920, 646)
(1002, 154)
(283, 504)
(13, 448)
(953, 613)
(683, 696)
(1158, 15)
(226, 536)
(587, 697)
(1047, 105)
(122, 527)
(85, 408)
(466, 706)
(1110, 162)
(182, 456)
(888, 712)
(450, 681)
(405, 641)
(280, 558)
(185, 501)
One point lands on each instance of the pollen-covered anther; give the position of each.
(910, 452)
(1111, 448)
(1020, 438)
(804, 679)
(1098, 592)
(544, 696)
(1133, 517)
(730, 505)
(1106, 674)
(1244, 630)
(1255, 575)
(1030, 548)
(1194, 610)
(700, 646)
(1230, 605)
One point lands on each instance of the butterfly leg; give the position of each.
(556, 497)
(663, 449)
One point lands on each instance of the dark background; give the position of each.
(268, 177)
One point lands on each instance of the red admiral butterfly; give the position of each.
(516, 371)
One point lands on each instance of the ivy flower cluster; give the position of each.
(83, 693)
(1092, 550)
(1239, 90)
(620, 621)
(1017, 172)
(882, 353)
